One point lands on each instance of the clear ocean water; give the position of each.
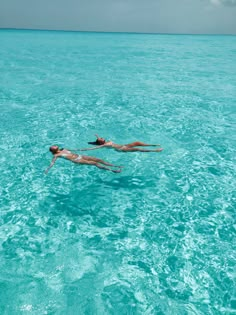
(157, 239)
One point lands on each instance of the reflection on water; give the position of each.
(157, 238)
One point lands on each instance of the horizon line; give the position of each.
(113, 32)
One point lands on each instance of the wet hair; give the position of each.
(99, 141)
(54, 148)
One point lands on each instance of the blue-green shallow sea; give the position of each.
(157, 239)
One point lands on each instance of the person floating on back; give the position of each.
(130, 147)
(79, 159)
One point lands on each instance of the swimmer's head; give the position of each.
(99, 141)
(54, 149)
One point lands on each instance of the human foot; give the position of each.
(116, 171)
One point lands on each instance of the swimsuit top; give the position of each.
(74, 156)
(115, 145)
(65, 155)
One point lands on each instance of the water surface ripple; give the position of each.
(159, 238)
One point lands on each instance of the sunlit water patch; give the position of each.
(159, 238)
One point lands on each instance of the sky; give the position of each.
(147, 16)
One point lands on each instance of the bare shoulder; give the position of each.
(109, 143)
(61, 153)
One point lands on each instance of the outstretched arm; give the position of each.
(51, 165)
(88, 149)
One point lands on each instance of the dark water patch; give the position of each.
(119, 296)
(129, 182)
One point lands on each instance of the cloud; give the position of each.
(150, 16)
(224, 2)
(215, 2)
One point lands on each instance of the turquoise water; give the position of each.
(160, 237)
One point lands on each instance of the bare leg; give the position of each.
(140, 150)
(106, 168)
(140, 144)
(108, 164)
(100, 161)
(86, 162)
